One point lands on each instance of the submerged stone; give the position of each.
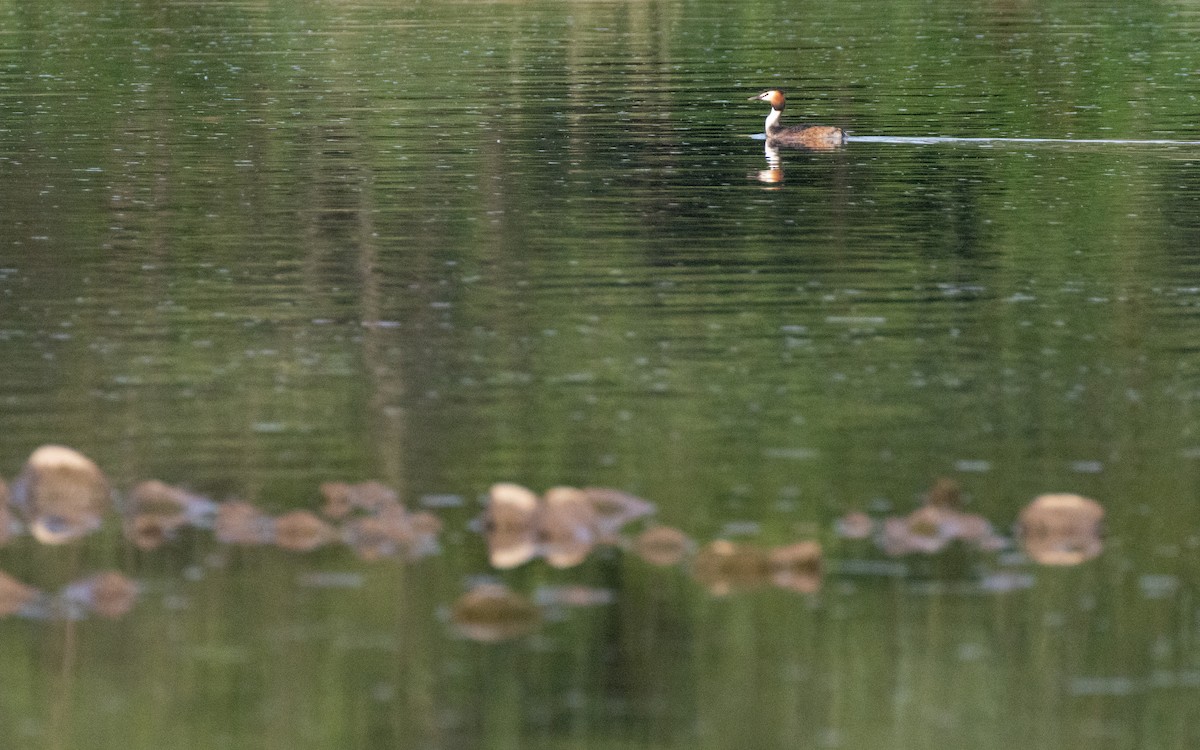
(723, 567)
(490, 613)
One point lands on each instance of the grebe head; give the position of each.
(774, 97)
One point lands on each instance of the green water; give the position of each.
(249, 248)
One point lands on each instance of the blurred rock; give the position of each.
(341, 499)
(926, 530)
(155, 511)
(1062, 529)
(337, 499)
(511, 525)
(797, 567)
(945, 493)
(613, 510)
(302, 531)
(62, 494)
(239, 522)
(854, 525)
(932, 527)
(424, 528)
(663, 546)
(383, 534)
(566, 527)
(149, 531)
(723, 567)
(108, 594)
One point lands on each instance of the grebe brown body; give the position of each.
(802, 136)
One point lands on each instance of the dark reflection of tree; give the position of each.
(340, 223)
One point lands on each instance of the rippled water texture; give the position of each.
(298, 260)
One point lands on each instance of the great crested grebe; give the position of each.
(802, 136)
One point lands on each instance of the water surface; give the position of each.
(249, 249)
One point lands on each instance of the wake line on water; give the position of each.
(923, 140)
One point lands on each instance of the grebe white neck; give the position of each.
(773, 119)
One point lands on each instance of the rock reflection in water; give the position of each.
(109, 594)
(511, 525)
(563, 527)
(341, 498)
(928, 529)
(380, 535)
(724, 567)
(1062, 529)
(62, 494)
(491, 612)
(797, 567)
(156, 511)
(392, 530)
(374, 524)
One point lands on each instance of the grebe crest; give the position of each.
(801, 136)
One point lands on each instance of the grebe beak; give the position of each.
(757, 97)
